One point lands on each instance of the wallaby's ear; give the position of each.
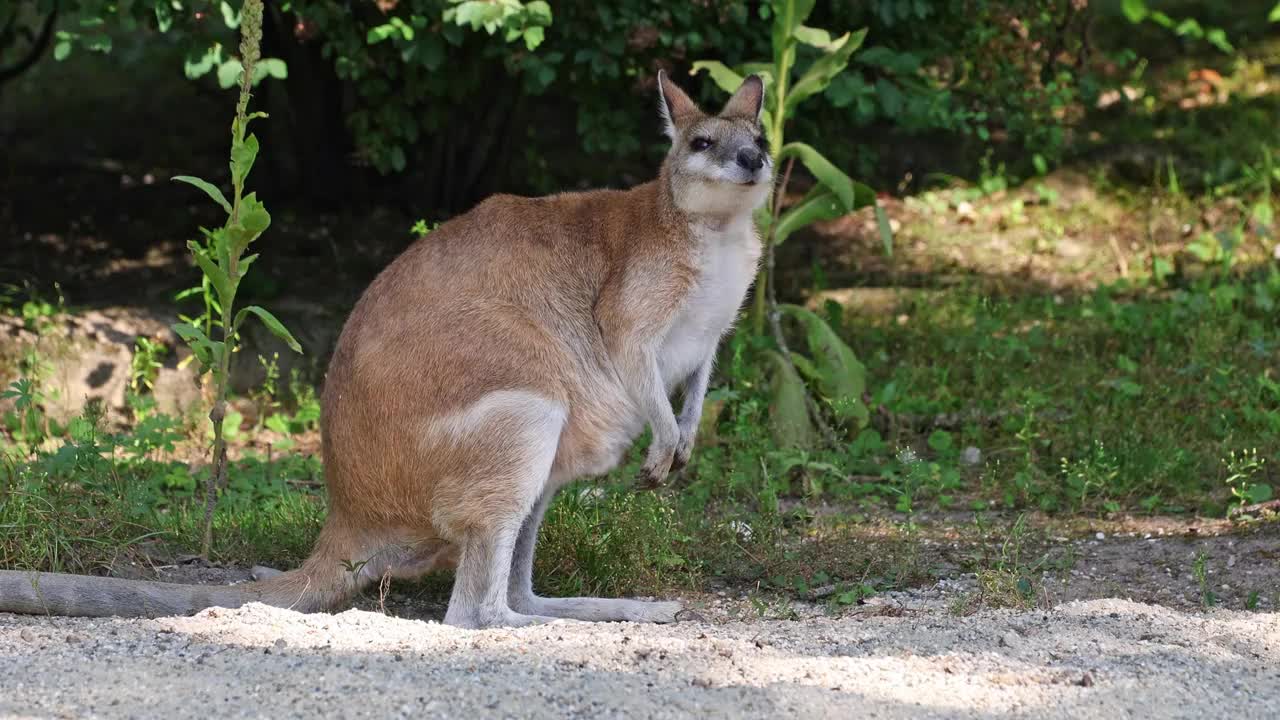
(747, 101)
(676, 107)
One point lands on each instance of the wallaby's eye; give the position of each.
(762, 143)
(699, 144)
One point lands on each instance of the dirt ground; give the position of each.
(1119, 628)
(1084, 659)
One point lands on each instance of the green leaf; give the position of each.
(788, 413)
(98, 43)
(828, 174)
(230, 17)
(813, 37)
(886, 230)
(1217, 37)
(823, 205)
(205, 350)
(824, 69)
(724, 78)
(254, 220)
(253, 214)
(242, 267)
(62, 50)
(229, 73)
(1275, 14)
(209, 189)
(1126, 387)
(1258, 493)
(842, 378)
(198, 67)
(242, 158)
(217, 276)
(164, 16)
(539, 12)
(533, 37)
(1135, 10)
(270, 67)
(792, 13)
(806, 367)
(395, 27)
(276, 327)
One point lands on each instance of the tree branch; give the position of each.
(37, 48)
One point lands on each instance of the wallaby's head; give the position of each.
(718, 164)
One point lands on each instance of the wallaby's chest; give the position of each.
(727, 264)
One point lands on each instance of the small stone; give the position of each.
(74, 638)
(1009, 639)
(1085, 680)
(1101, 536)
(27, 635)
(281, 644)
(971, 456)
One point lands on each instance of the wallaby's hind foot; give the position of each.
(521, 598)
(479, 598)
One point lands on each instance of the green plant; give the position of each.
(224, 265)
(306, 415)
(33, 424)
(1200, 568)
(1005, 579)
(422, 228)
(1137, 11)
(1242, 469)
(145, 364)
(1093, 474)
(834, 193)
(833, 367)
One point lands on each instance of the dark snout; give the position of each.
(751, 158)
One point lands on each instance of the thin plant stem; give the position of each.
(250, 42)
(775, 317)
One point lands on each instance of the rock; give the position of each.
(91, 356)
(971, 456)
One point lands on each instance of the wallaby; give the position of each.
(516, 348)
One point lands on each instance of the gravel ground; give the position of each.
(1084, 659)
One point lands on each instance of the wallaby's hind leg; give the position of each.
(479, 598)
(506, 443)
(520, 589)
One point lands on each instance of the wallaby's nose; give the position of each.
(750, 158)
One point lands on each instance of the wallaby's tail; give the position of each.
(38, 593)
(323, 582)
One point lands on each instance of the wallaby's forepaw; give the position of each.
(656, 468)
(684, 451)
